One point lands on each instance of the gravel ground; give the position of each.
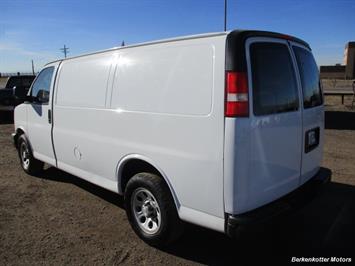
(56, 218)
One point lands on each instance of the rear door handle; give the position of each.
(49, 116)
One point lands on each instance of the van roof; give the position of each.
(235, 46)
(187, 37)
(242, 35)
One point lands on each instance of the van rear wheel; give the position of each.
(29, 164)
(151, 210)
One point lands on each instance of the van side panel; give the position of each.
(236, 163)
(79, 118)
(169, 79)
(167, 105)
(83, 81)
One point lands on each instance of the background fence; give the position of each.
(5, 74)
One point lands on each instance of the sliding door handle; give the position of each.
(49, 116)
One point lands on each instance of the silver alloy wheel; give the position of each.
(146, 210)
(25, 155)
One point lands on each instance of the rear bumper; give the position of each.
(290, 202)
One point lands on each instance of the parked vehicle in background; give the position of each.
(15, 91)
(210, 129)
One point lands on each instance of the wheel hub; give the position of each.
(25, 155)
(146, 210)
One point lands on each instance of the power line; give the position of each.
(65, 50)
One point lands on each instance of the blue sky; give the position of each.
(37, 29)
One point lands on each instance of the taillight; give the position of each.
(237, 99)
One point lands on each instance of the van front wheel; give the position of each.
(151, 210)
(29, 164)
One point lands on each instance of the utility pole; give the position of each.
(65, 50)
(33, 67)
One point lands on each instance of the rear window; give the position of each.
(273, 76)
(20, 82)
(26, 82)
(307, 66)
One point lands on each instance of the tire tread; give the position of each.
(174, 227)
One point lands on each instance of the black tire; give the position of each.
(29, 164)
(170, 226)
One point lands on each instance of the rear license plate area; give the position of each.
(311, 139)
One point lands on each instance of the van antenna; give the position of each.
(225, 15)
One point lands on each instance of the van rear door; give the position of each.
(278, 145)
(313, 111)
(275, 121)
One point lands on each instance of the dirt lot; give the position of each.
(56, 218)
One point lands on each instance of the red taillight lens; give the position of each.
(237, 99)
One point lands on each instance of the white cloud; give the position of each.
(14, 48)
(14, 58)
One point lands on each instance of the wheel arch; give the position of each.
(135, 163)
(18, 132)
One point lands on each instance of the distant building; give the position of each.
(346, 71)
(349, 60)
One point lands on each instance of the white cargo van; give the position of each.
(210, 129)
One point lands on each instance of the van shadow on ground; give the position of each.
(57, 175)
(324, 226)
(6, 117)
(321, 227)
(340, 120)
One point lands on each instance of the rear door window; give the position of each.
(273, 76)
(309, 74)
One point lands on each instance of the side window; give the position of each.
(307, 66)
(274, 82)
(41, 87)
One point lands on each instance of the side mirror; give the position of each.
(43, 96)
